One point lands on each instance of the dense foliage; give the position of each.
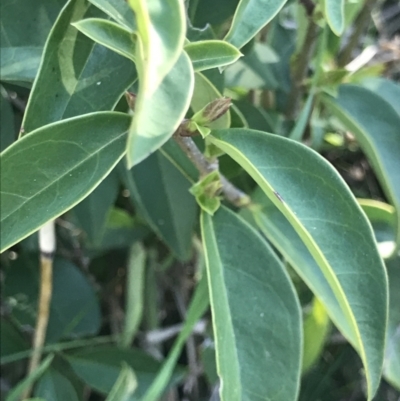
(200, 200)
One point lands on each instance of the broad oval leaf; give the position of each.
(376, 126)
(158, 115)
(334, 13)
(109, 34)
(250, 17)
(166, 204)
(76, 76)
(256, 314)
(161, 29)
(53, 168)
(119, 11)
(326, 216)
(206, 54)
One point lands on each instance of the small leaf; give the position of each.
(161, 31)
(158, 115)
(206, 192)
(256, 314)
(212, 111)
(206, 93)
(53, 168)
(76, 76)
(208, 54)
(334, 13)
(119, 11)
(376, 126)
(109, 34)
(326, 216)
(250, 17)
(125, 385)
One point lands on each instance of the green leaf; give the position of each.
(55, 386)
(298, 131)
(206, 192)
(327, 217)
(166, 204)
(391, 367)
(250, 17)
(205, 93)
(117, 10)
(24, 30)
(161, 29)
(16, 393)
(256, 314)
(100, 367)
(109, 34)
(334, 13)
(92, 212)
(53, 168)
(376, 126)
(207, 54)
(7, 128)
(72, 313)
(383, 220)
(197, 308)
(385, 88)
(11, 339)
(158, 114)
(125, 385)
(316, 330)
(134, 293)
(76, 76)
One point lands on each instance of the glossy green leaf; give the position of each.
(207, 54)
(327, 217)
(334, 13)
(376, 127)
(316, 330)
(197, 308)
(125, 385)
(158, 114)
(76, 76)
(286, 240)
(166, 204)
(383, 220)
(250, 17)
(53, 168)
(100, 367)
(258, 348)
(55, 386)
(391, 367)
(16, 393)
(24, 30)
(7, 128)
(161, 29)
(204, 93)
(119, 11)
(72, 313)
(92, 212)
(109, 34)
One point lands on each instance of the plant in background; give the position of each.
(237, 156)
